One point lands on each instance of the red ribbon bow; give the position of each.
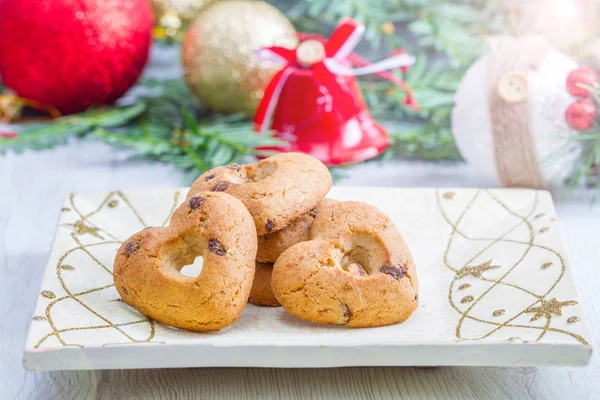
(337, 54)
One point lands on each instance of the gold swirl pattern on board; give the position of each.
(539, 305)
(82, 227)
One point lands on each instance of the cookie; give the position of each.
(355, 270)
(276, 190)
(271, 245)
(262, 293)
(217, 227)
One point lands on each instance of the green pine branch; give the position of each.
(39, 136)
(175, 129)
(190, 146)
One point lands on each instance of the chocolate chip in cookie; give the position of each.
(220, 187)
(209, 177)
(215, 247)
(196, 202)
(270, 225)
(347, 313)
(132, 246)
(397, 271)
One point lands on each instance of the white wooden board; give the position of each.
(495, 289)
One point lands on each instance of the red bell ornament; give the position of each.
(314, 102)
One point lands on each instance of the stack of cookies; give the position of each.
(283, 206)
(268, 236)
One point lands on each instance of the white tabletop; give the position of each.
(32, 186)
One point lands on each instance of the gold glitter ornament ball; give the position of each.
(173, 16)
(218, 53)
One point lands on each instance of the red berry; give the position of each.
(580, 115)
(582, 75)
(8, 135)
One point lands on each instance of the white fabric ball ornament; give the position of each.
(508, 118)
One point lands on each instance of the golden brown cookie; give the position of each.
(356, 270)
(262, 293)
(215, 226)
(276, 190)
(271, 245)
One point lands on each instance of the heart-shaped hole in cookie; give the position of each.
(242, 175)
(363, 255)
(182, 256)
(194, 269)
(258, 172)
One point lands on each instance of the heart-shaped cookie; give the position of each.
(356, 270)
(276, 190)
(147, 267)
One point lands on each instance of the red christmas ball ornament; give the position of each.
(580, 115)
(71, 54)
(582, 75)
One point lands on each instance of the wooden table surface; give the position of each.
(33, 185)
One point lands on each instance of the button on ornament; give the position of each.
(513, 87)
(310, 52)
